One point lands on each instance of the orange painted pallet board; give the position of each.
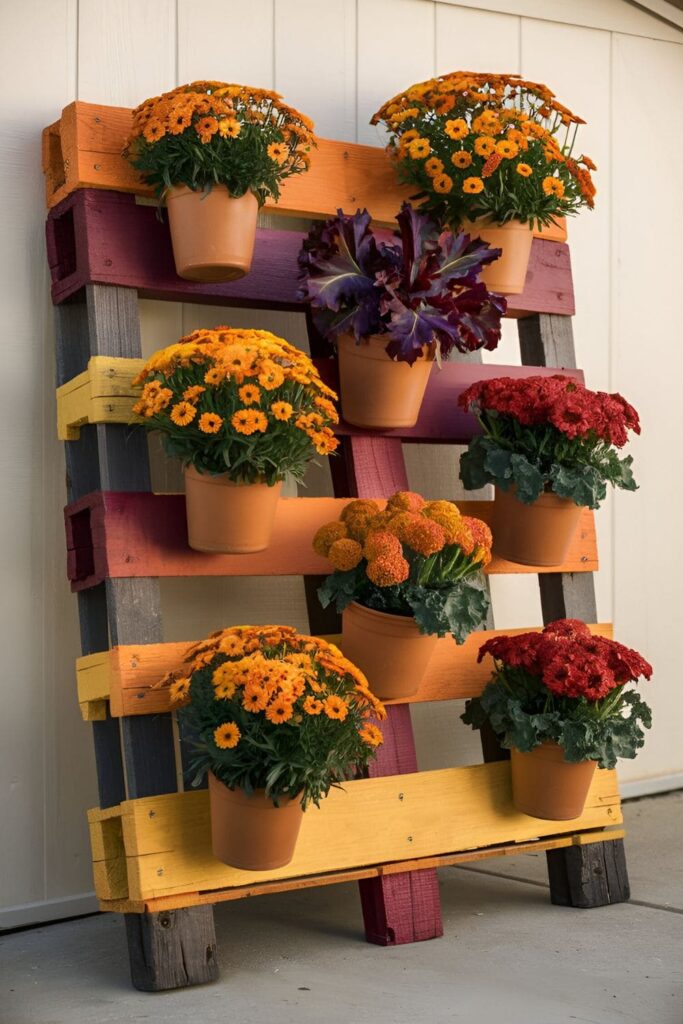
(128, 675)
(83, 150)
(119, 534)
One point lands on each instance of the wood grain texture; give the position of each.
(114, 535)
(591, 875)
(107, 238)
(368, 872)
(128, 675)
(173, 949)
(167, 846)
(103, 393)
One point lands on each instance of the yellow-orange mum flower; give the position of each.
(406, 501)
(433, 166)
(443, 184)
(229, 128)
(249, 394)
(473, 186)
(206, 128)
(461, 158)
(484, 145)
(226, 736)
(371, 734)
(282, 411)
(179, 690)
(419, 149)
(381, 544)
(270, 375)
(255, 697)
(193, 393)
(278, 152)
(279, 710)
(553, 187)
(456, 129)
(312, 706)
(335, 707)
(525, 170)
(326, 536)
(213, 376)
(210, 423)
(388, 570)
(183, 413)
(507, 149)
(249, 421)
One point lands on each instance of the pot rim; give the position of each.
(549, 750)
(223, 480)
(260, 793)
(371, 341)
(545, 498)
(388, 622)
(180, 191)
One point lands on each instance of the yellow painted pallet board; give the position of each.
(103, 393)
(128, 676)
(158, 847)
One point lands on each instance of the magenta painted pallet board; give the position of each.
(100, 237)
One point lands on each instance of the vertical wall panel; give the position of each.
(395, 49)
(470, 40)
(43, 751)
(126, 50)
(319, 80)
(647, 363)
(227, 41)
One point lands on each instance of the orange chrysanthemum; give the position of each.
(183, 413)
(525, 170)
(371, 734)
(226, 736)
(191, 394)
(279, 710)
(345, 554)
(282, 411)
(229, 128)
(381, 544)
(388, 570)
(418, 149)
(210, 423)
(484, 145)
(249, 421)
(335, 707)
(473, 186)
(326, 536)
(456, 129)
(443, 184)
(278, 152)
(312, 706)
(249, 394)
(179, 690)
(461, 158)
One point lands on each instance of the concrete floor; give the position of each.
(507, 955)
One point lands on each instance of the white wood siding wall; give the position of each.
(336, 60)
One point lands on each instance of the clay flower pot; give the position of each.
(544, 785)
(226, 517)
(389, 649)
(536, 534)
(556, 231)
(212, 233)
(378, 392)
(507, 274)
(250, 832)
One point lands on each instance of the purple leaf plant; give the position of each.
(420, 289)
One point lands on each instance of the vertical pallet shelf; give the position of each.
(105, 250)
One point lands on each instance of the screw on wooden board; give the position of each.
(98, 167)
(98, 120)
(400, 796)
(160, 872)
(165, 920)
(152, 814)
(410, 839)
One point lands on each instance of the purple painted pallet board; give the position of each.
(100, 237)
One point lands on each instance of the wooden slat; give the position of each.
(121, 535)
(374, 872)
(128, 676)
(84, 150)
(108, 238)
(104, 394)
(166, 839)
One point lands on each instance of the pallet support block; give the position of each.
(582, 876)
(172, 949)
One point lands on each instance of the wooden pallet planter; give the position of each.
(128, 676)
(106, 248)
(103, 393)
(160, 847)
(123, 535)
(109, 238)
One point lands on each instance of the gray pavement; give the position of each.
(507, 956)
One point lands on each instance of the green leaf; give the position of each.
(529, 482)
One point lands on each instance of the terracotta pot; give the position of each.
(507, 274)
(250, 832)
(212, 233)
(226, 517)
(556, 231)
(378, 392)
(544, 785)
(536, 534)
(389, 649)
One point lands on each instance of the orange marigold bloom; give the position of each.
(371, 735)
(282, 411)
(473, 186)
(345, 554)
(424, 536)
(461, 158)
(206, 128)
(249, 394)
(406, 501)
(210, 423)
(229, 128)
(525, 170)
(507, 149)
(388, 570)
(335, 707)
(381, 544)
(312, 706)
(254, 697)
(326, 536)
(271, 375)
(213, 376)
(183, 413)
(279, 710)
(553, 187)
(226, 736)
(153, 131)
(456, 129)
(278, 152)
